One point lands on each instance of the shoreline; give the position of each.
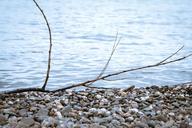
(147, 107)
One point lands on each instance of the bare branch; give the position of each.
(25, 90)
(112, 52)
(171, 55)
(50, 45)
(144, 67)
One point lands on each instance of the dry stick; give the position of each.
(50, 45)
(164, 60)
(144, 67)
(172, 55)
(112, 52)
(108, 61)
(124, 71)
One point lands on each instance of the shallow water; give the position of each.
(83, 36)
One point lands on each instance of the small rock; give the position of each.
(184, 124)
(13, 121)
(115, 123)
(49, 122)
(3, 120)
(10, 102)
(110, 93)
(84, 120)
(134, 104)
(102, 120)
(168, 124)
(104, 102)
(161, 118)
(141, 125)
(23, 112)
(96, 126)
(118, 117)
(98, 96)
(104, 112)
(41, 114)
(47, 98)
(151, 124)
(58, 114)
(93, 110)
(25, 123)
(130, 119)
(171, 114)
(148, 108)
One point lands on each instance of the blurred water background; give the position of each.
(83, 36)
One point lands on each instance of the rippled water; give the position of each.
(83, 36)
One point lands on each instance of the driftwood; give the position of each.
(101, 76)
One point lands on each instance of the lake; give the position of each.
(83, 35)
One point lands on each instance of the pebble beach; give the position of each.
(149, 107)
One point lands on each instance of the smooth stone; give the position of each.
(3, 120)
(49, 122)
(98, 96)
(184, 124)
(41, 114)
(84, 120)
(118, 117)
(134, 104)
(25, 123)
(171, 114)
(109, 93)
(130, 119)
(157, 93)
(116, 109)
(141, 125)
(96, 126)
(161, 118)
(102, 120)
(58, 104)
(104, 101)
(168, 124)
(58, 114)
(151, 123)
(13, 121)
(10, 103)
(150, 113)
(104, 112)
(93, 110)
(23, 112)
(67, 108)
(149, 108)
(115, 123)
(47, 98)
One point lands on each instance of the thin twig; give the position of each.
(50, 45)
(144, 67)
(112, 52)
(171, 55)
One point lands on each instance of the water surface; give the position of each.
(83, 36)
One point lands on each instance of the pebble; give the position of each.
(25, 123)
(151, 107)
(3, 120)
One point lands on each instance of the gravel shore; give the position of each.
(150, 107)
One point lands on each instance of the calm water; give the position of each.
(83, 35)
